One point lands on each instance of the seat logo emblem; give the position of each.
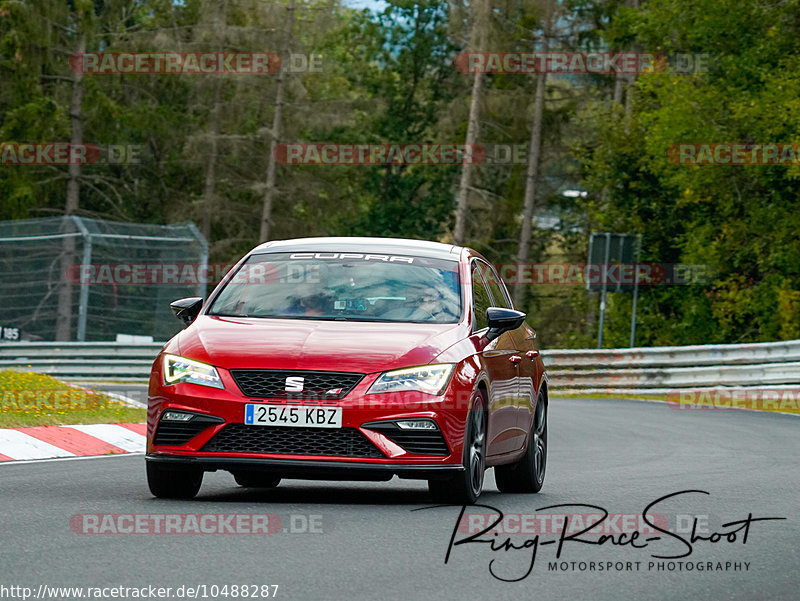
(294, 384)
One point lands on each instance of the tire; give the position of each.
(173, 483)
(256, 479)
(527, 475)
(465, 488)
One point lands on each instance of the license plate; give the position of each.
(293, 416)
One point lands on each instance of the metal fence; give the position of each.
(670, 367)
(46, 294)
(82, 360)
(641, 369)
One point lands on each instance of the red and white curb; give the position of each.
(49, 442)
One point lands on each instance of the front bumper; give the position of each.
(311, 469)
(449, 411)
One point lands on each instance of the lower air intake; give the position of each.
(338, 442)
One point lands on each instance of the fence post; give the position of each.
(635, 288)
(604, 275)
(83, 303)
(201, 286)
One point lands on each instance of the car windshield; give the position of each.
(343, 286)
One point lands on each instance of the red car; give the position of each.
(351, 359)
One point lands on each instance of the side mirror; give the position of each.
(502, 320)
(187, 308)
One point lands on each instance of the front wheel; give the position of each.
(173, 483)
(527, 475)
(465, 488)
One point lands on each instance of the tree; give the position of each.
(477, 43)
(534, 154)
(736, 222)
(277, 124)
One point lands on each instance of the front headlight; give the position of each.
(431, 379)
(180, 369)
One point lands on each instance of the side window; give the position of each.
(499, 296)
(480, 297)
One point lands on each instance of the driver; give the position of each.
(311, 295)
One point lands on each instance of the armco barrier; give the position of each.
(667, 367)
(676, 356)
(82, 360)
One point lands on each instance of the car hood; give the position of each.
(363, 347)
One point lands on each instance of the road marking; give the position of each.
(72, 440)
(131, 402)
(53, 459)
(138, 428)
(16, 445)
(123, 438)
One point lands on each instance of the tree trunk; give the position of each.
(277, 123)
(624, 81)
(532, 176)
(631, 79)
(477, 43)
(209, 195)
(210, 185)
(619, 86)
(64, 310)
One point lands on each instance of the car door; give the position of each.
(531, 371)
(525, 367)
(501, 359)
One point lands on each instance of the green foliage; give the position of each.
(741, 221)
(389, 77)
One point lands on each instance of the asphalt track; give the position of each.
(620, 455)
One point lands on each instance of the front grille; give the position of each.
(272, 383)
(179, 433)
(335, 442)
(418, 442)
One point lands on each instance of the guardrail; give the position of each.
(654, 368)
(82, 360)
(669, 367)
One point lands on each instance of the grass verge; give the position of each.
(31, 399)
(605, 395)
(719, 399)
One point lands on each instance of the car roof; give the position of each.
(392, 246)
